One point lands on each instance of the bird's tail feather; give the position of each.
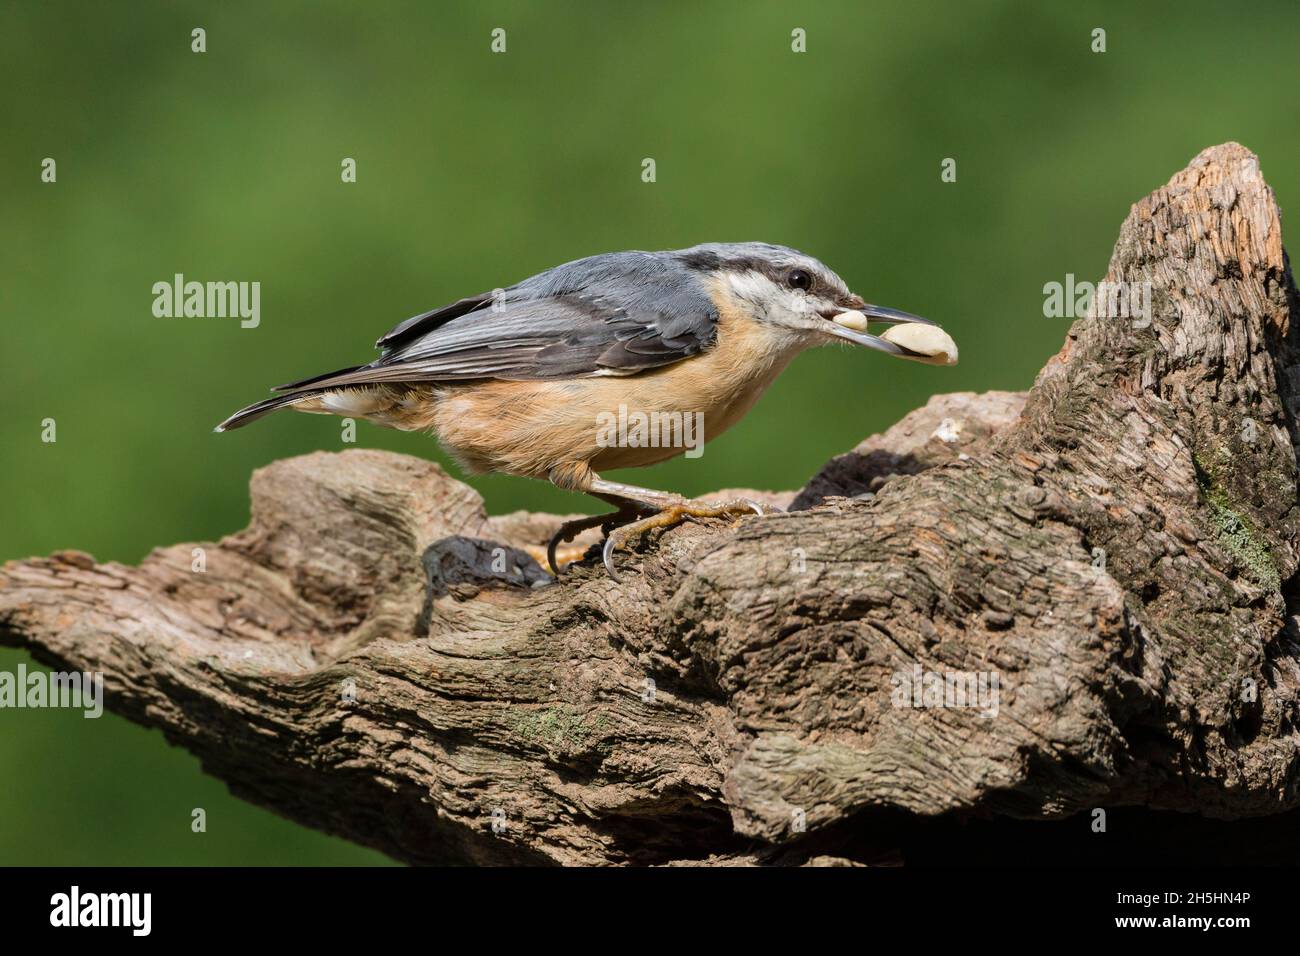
(258, 409)
(294, 393)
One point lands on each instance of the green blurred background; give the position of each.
(476, 169)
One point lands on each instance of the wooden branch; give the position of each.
(376, 657)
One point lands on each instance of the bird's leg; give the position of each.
(661, 510)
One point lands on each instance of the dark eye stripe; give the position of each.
(711, 261)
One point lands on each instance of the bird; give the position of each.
(517, 380)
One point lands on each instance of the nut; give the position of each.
(932, 344)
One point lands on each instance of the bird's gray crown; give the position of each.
(657, 269)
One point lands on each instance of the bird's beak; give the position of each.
(850, 324)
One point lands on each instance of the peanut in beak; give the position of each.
(928, 344)
(932, 344)
(851, 319)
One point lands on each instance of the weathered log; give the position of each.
(376, 657)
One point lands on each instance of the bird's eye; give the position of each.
(800, 279)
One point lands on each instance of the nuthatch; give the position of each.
(516, 380)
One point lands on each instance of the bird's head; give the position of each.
(801, 298)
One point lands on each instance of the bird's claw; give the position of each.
(607, 557)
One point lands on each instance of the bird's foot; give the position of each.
(557, 557)
(674, 515)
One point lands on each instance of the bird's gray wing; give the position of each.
(418, 325)
(610, 315)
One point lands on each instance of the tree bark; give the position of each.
(376, 657)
